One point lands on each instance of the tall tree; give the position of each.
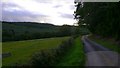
(101, 18)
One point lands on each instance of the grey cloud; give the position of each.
(67, 16)
(44, 1)
(57, 6)
(0, 11)
(51, 1)
(20, 16)
(72, 7)
(24, 15)
(10, 5)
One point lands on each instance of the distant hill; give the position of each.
(15, 31)
(31, 24)
(28, 26)
(18, 29)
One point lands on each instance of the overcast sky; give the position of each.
(57, 12)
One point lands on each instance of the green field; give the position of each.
(76, 55)
(22, 50)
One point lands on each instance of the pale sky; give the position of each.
(57, 12)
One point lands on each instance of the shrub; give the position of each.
(52, 56)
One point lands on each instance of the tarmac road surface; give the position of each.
(98, 55)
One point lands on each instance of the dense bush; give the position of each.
(52, 56)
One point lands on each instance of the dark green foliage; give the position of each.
(66, 29)
(15, 31)
(75, 57)
(101, 18)
(52, 56)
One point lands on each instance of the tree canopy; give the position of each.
(101, 18)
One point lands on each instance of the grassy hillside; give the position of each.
(16, 31)
(76, 55)
(21, 27)
(22, 50)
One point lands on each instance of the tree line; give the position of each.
(16, 31)
(101, 18)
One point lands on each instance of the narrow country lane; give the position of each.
(97, 55)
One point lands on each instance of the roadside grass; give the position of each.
(22, 50)
(106, 43)
(76, 55)
(0, 54)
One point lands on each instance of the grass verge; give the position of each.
(106, 43)
(75, 57)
